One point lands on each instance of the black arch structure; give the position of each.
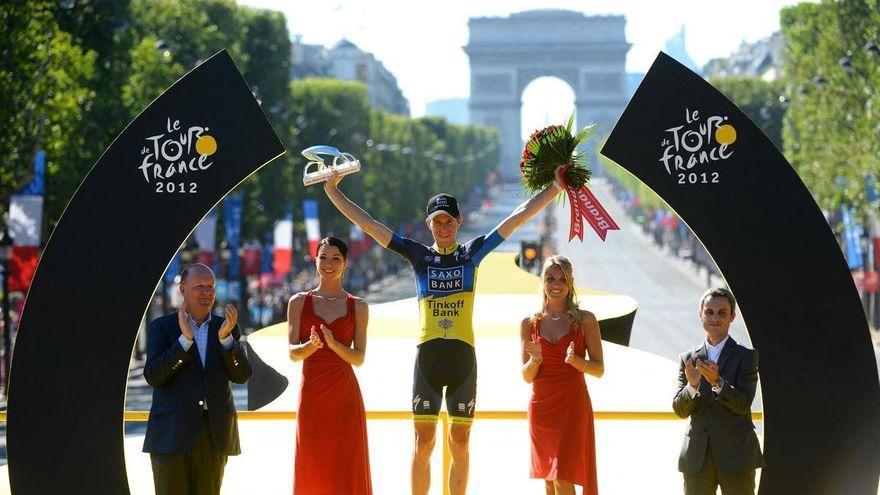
(777, 253)
(99, 270)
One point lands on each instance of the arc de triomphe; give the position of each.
(507, 53)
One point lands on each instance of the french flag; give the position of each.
(313, 227)
(25, 226)
(206, 239)
(358, 242)
(283, 238)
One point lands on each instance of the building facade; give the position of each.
(347, 62)
(507, 53)
(760, 59)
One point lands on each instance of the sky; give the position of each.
(421, 42)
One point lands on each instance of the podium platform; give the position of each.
(634, 382)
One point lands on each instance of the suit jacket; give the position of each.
(180, 385)
(723, 421)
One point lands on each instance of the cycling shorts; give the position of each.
(445, 366)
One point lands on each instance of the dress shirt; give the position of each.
(201, 338)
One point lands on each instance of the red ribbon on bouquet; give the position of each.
(584, 205)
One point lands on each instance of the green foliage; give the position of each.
(405, 161)
(99, 27)
(152, 72)
(411, 160)
(266, 46)
(266, 43)
(335, 113)
(45, 78)
(330, 111)
(762, 101)
(192, 30)
(831, 130)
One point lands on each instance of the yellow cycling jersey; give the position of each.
(445, 280)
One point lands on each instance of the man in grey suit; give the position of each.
(716, 387)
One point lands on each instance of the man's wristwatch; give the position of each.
(717, 387)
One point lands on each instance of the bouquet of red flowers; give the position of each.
(551, 147)
(555, 145)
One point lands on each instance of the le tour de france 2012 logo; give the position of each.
(686, 149)
(172, 161)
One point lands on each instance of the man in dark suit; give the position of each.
(716, 387)
(192, 356)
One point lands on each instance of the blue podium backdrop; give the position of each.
(101, 265)
(746, 204)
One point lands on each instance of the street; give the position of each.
(666, 288)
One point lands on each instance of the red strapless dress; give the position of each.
(561, 416)
(331, 456)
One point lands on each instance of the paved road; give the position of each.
(666, 289)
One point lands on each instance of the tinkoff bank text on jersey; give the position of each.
(445, 280)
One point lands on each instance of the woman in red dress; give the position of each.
(328, 332)
(559, 345)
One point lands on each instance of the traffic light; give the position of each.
(530, 255)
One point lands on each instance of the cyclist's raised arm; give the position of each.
(530, 208)
(355, 213)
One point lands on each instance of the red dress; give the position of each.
(561, 416)
(331, 456)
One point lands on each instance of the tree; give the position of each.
(831, 130)
(410, 160)
(45, 78)
(191, 31)
(100, 27)
(152, 72)
(267, 51)
(266, 45)
(335, 113)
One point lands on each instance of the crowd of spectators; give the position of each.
(665, 229)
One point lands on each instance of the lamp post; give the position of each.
(5, 256)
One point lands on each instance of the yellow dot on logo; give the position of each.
(207, 145)
(725, 134)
